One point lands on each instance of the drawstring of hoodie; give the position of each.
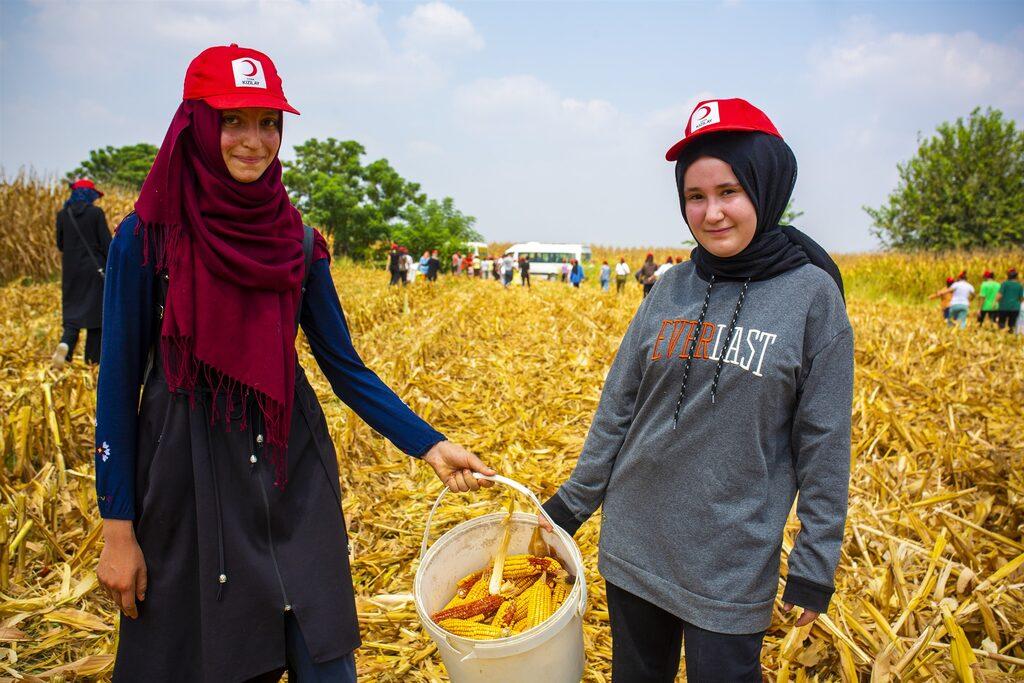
(689, 351)
(728, 338)
(222, 576)
(693, 345)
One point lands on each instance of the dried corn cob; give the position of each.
(454, 602)
(467, 582)
(485, 606)
(469, 629)
(521, 584)
(539, 607)
(518, 566)
(519, 626)
(560, 593)
(503, 618)
(478, 590)
(523, 601)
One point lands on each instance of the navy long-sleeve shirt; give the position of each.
(128, 334)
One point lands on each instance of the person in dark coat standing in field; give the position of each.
(225, 546)
(83, 239)
(647, 274)
(433, 266)
(395, 265)
(524, 271)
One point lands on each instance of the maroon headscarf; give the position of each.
(233, 254)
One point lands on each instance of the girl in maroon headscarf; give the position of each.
(225, 545)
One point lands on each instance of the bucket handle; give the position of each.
(495, 478)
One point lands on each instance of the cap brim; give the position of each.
(236, 101)
(675, 150)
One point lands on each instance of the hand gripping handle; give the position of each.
(496, 478)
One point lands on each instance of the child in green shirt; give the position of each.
(988, 305)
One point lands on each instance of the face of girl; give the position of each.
(719, 212)
(249, 141)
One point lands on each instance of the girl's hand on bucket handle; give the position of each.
(806, 617)
(454, 466)
(122, 568)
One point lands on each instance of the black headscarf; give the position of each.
(766, 169)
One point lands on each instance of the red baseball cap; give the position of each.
(232, 76)
(715, 116)
(86, 183)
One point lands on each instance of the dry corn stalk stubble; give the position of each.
(28, 216)
(936, 493)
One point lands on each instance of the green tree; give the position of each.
(359, 206)
(124, 167)
(963, 189)
(435, 225)
(790, 214)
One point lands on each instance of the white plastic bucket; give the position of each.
(551, 652)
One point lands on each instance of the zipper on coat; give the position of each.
(266, 510)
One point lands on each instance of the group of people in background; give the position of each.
(404, 270)
(650, 272)
(499, 268)
(999, 302)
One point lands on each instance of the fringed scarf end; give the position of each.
(184, 371)
(159, 240)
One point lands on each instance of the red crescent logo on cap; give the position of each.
(251, 64)
(702, 112)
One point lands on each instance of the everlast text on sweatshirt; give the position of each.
(693, 517)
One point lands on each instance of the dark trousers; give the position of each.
(526, 280)
(647, 289)
(92, 342)
(396, 277)
(302, 668)
(646, 642)
(990, 315)
(1007, 319)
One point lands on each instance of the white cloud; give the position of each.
(340, 43)
(524, 103)
(437, 27)
(905, 66)
(671, 120)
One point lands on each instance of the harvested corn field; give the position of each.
(931, 580)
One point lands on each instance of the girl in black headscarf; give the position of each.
(731, 392)
(83, 239)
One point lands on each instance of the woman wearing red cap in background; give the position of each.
(747, 349)
(945, 296)
(83, 239)
(219, 490)
(960, 293)
(647, 275)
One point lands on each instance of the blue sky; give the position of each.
(543, 120)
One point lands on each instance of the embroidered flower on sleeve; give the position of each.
(104, 451)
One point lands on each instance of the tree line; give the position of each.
(962, 189)
(363, 206)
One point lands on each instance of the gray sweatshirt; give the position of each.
(693, 517)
